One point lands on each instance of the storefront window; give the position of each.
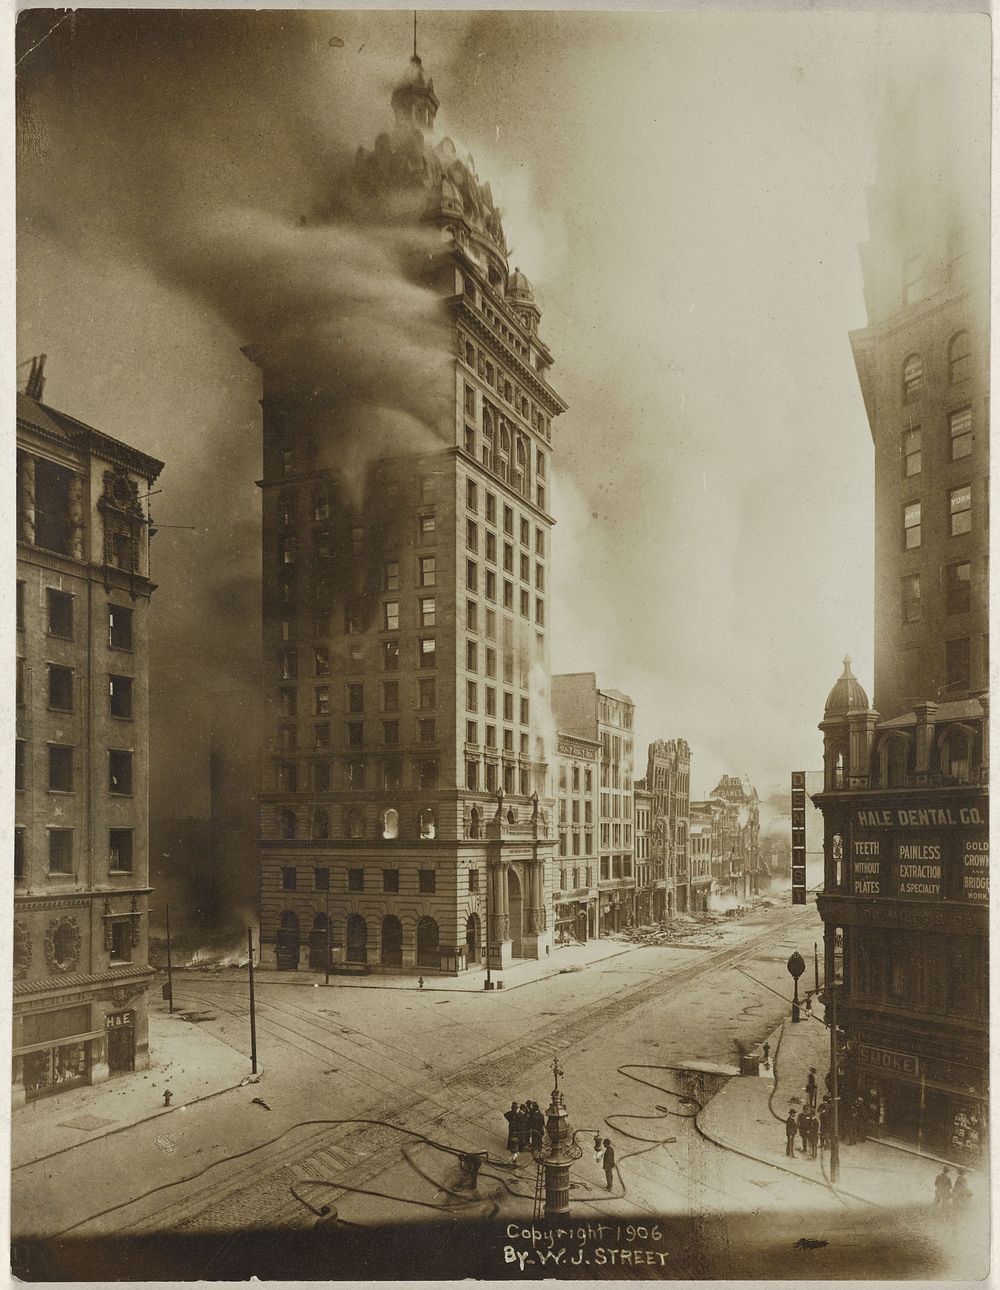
(53, 1070)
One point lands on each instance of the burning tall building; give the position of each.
(406, 542)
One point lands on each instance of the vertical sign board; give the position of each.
(798, 837)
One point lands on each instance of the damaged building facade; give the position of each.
(405, 790)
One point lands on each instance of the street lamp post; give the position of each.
(170, 969)
(796, 966)
(253, 1010)
(831, 1016)
(558, 1152)
(488, 983)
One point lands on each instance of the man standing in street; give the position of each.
(812, 1131)
(791, 1128)
(512, 1117)
(803, 1122)
(811, 1086)
(825, 1108)
(942, 1188)
(609, 1162)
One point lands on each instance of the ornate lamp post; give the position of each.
(796, 966)
(558, 1152)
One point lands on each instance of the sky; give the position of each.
(686, 191)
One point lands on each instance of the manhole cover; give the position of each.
(167, 1144)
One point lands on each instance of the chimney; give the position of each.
(36, 378)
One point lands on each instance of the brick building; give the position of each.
(81, 863)
(606, 717)
(668, 778)
(406, 650)
(645, 889)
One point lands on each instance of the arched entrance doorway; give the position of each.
(392, 941)
(287, 946)
(318, 944)
(514, 909)
(357, 939)
(428, 954)
(472, 939)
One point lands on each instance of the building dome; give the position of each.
(518, 286)
(847, 695)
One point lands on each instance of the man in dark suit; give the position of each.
(609, 1162)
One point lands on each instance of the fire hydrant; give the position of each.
(167, 1095)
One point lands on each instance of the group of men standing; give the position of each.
(813, 1124)
(525, 1128)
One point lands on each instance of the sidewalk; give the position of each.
(184, 1057)
(747, 1116)
(564, 958)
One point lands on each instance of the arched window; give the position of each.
(355, 825)
(894, 762)
(321, 824)
(511, 816)
(474, 822)
(390, 823)
(508, 391)
(837, 854)
(357, 939)
(489, 374)
(289, 824)
(428, 949)
(504, 439)
(428, 823)
(392, 941)
(960, 357)
(956, 755)
(289, 921)
(913, 377)
(470, 354)
(839, 779)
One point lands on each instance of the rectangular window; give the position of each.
(491, 701)
(357, 539)
(322, 700)
(60, 688)
(355, 880)
(470, 401)
(427, 693)
(390, 733)
(355, 733)
(471, 615)
(473, 879)
(471, 656)
(321, 879)
(426, 730)
(390, 656)
(427, 881)
(119, 627)
(508, 706)
(427, 774)
(60, 613)
(540, 577)
(911, 525)
(491, 662)
(958, 585)
(960, 431)
(471, 500)
(491, 547)
(508, 740)
(321, 660)
(392, 774)
(18, 853)
(524, 722)
(427, 524)
(960, 509)
(427, 570)
(354, 619)
(354, 773)
(491, 508)
(427, 611)
(288, 701)
(525, 604)
(355, 698)
(508, 595)
(471, 575)
(390, 696)
(60, 850)
(508, 557)
(427, 651)
(491, 625)
(390, 880)
(525, 532)
(472, 776)
(471, 732)
(525, 568)
(471, 696)
(911, 452)
(958, 672)
(508, 668)
(119, 771)
(539, 541)
(288, 663)
(491, 594)
(508, 520)
(539, 612)
(121, 941)
(120, 850)
(472, 535)
(60, 768)
(390, 576)
(321, 735)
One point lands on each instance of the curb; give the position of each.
(159, 1113)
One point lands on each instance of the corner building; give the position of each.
(406, 650)
(81, 862)
(905, 800)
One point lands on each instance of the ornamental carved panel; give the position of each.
(62, 944)
(22, 949)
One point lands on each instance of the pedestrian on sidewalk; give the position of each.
(803, 1123)
(791, 1128)
(825, 1108)
(811, 1087)
(961, 1193)
(537, 1122)
(942, 1188)
(609, 1162)
(813, 1134)
(523, 1127)
(513, 1145)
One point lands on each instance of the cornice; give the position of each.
(82, 981)
(475, 322)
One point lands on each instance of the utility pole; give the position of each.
(328, 934)
(831, 1016)
(170, 969)
(816, 965)
(253, 1013)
